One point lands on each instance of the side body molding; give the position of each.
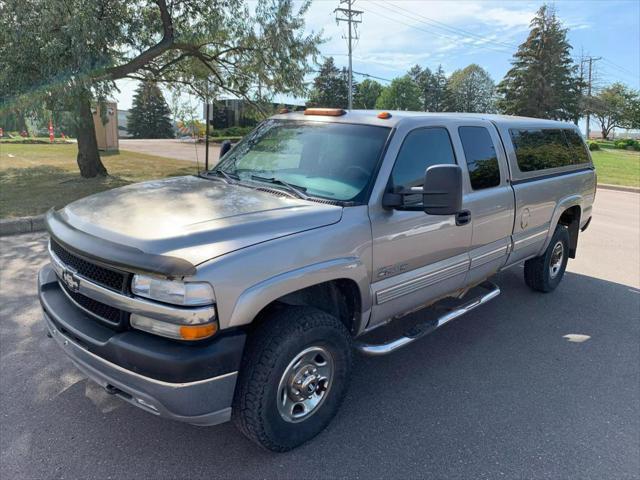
(258, 296)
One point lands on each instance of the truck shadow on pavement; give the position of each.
(500, 391)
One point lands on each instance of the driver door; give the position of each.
(417, 257)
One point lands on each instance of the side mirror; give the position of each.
(224, 147)
(442, 190)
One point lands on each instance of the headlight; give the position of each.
(172, 291)
(173, 330)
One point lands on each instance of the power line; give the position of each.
(352, 18)
(452, 29)
(367, 75)
(435, 32)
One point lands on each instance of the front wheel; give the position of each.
(294, 376)
(545, 272)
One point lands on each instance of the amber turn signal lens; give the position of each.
(384, 115)
(198, 332)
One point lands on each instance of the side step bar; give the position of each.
(420, 331)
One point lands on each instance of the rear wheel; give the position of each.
(545, 272)
(294, 376)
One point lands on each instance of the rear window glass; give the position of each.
(540, 149)
(480, 153)
(578, 147)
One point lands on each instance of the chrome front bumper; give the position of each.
(203, 402)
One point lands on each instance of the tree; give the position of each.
(330, 87)
(366, 94)
(208, 46)
(543, 80)
(402, 94)
(471, 90)
(432, 87)
(616, 106)
(150, 115)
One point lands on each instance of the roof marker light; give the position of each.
(330, 112)
(384, 115)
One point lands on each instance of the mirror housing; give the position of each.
(224, 148)
(442, 190)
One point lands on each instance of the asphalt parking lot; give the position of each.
(499, 393)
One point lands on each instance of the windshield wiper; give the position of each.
(221, 173)
(295, 189)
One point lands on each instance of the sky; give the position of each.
(395, 35)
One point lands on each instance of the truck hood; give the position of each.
(193, 218)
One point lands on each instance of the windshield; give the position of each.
(328, 160)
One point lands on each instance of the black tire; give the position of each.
(537, 271)
(270, 350)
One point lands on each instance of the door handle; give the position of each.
(463, 217)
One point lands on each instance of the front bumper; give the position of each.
(151, 373)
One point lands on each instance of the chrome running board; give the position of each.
(421, 330)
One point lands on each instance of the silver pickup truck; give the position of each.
(242, 292)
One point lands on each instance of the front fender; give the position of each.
(258, 296)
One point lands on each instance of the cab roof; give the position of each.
(370, 117)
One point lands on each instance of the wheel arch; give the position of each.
(339, 287)
(568, 213)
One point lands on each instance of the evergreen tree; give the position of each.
(150, 116)
(470, 89)
(330, 87)
(543, 79)
(432, 87)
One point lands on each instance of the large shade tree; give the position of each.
(543, 80)
(616, 106)
(70, 52)
(401, 94)
(366, 94)
(470, 89)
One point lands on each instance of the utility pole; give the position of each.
(352, 17)
(591, 60)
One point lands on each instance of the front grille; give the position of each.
(111, 315)
(107, 277)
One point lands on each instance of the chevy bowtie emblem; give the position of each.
(71, 280)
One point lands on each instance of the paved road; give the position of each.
(498, 393)
(172, 148)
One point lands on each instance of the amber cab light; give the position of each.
(331, 112)
(384, 115)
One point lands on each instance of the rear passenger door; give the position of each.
(490, 199)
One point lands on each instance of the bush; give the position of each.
(627, 144)
(593, 146)
(231, 132)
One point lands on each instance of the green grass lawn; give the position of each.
(617, 167)
(34, 178)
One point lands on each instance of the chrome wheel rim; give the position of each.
(557, 255)
(305, 384)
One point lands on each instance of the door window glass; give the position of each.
(421, 148)
(480, 153)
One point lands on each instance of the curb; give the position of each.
(16, 226)
(619, 188)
